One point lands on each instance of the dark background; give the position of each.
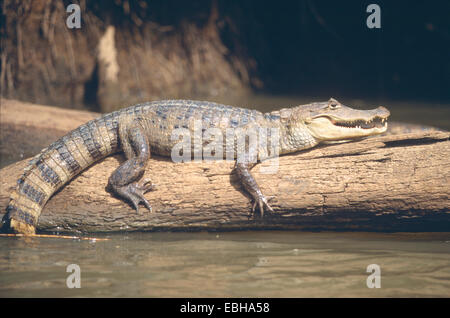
(324, 47)
(301, 48)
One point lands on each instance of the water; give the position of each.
(232, 264)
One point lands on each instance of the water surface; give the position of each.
(231, 264)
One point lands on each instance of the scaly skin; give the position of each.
(142, 128)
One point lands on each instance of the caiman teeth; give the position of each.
(376, 122)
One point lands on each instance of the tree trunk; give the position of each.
(388, 183)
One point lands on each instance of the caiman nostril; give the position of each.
(383, 109)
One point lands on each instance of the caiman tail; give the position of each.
(55, 166)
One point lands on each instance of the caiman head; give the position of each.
(327, 122)
(332, 121)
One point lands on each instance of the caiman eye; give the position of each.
(333, 105)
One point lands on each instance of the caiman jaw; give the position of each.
(331, 127)
(376, 122)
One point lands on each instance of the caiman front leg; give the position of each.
(124, 180)
(243, 172)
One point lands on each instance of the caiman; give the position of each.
(147, 128)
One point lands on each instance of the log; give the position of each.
(388, 183)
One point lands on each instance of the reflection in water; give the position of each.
(239, 264)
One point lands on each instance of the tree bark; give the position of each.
(388, 183)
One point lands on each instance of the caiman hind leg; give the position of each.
(248, 181)
(124, 180)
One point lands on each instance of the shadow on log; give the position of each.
(388, 183)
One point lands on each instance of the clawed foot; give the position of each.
(134, 192)
(145, 185)
(262, 202)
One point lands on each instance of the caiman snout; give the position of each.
(383, 112)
